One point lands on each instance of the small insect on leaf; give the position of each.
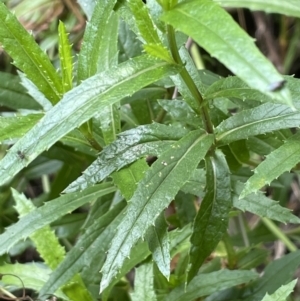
(276, 86)
(21, 155)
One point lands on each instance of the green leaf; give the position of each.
(288, 8)
(95, 240)
(143, 283)
(282, 293)
(212, 219)
(209, 283)
(15, 127)
(282, 159)
(158, 241)
(50, 212)
(94, 46)
(87, 6)
(80, 104)
(13, 95)
(150, 139)
(262, 119)
(201, 20)
(65, 56)
(159, 186)
(262, 206)
(28, 56)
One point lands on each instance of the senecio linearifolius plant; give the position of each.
(136, 128)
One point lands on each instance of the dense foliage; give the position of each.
(134, 160)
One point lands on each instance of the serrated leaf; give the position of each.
(159, 245)
(201, 20)
(13, 95)
(50, 212)
(282, 159)
(262, 119)
(94, 47)
(79, 105)
(28, 56)
(209, 283)
(212, 219)
(143, 283)
(154, 193)
(94, 241)
(282, 293)
(15, 127)
(288, 8)
(150, 139)
(65, 57)
(159, 51)
(262, 206)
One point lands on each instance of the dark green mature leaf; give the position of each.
(201, 20)
(80, 104)
(94, 48)
(206, 284)
(262, 206)
(28, 56)
(150, 139)
(159, 186)
(289, 8)
(282, 159)
(96, 239)
(212, 219)
(50, 212)
(13, 95)
(263, 119)
(143, 283)
(15, 127)
(158, 241)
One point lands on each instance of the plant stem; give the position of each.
(189, 81)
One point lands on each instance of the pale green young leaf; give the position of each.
(131, 145)
(212, 219)
(262, 206)
(159, 51)
(265, 118)
(282, 293)
(34, 276)
(28, 56)
(50, 212)
(155, 191)
(94, 46)
(95, 240)
(209, 283)
(143, 283)
(16, 127)
(80, 104)
(65, 57)
(159, 245)
(201, 20)
(13, 95)
(276, 163)
(288, 8)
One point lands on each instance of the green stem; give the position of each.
(189, 81)
(231, 256)
(279, 234)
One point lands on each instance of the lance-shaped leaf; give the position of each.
(207, 284)
(65, 57)
(262, 206)
(80, 104)
(28, 56)
(50, 212)
(262, 119)
(201, 20)
(212, 219)
(157, 189)
(282, 159)
(94, 46)
(144, 140)
(282, 293)
(288, 8)
(96, 239)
